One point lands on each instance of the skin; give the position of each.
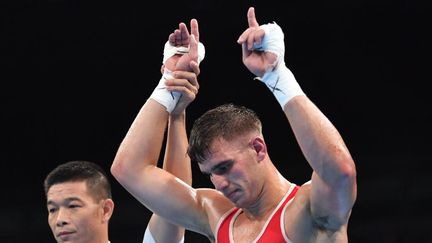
(241, 170)
(75, 216)
(162, 230)
(176, 160)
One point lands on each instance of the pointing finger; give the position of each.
(194, 29)
(251, 18)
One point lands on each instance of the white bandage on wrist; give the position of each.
(282, 84)
(160, 93)
(163, 96)
(279, 79)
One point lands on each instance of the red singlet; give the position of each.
(273, 231)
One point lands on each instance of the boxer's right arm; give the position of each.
(135, 164)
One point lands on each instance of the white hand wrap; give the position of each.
(279, 79)
(160, 93)
(170, 50)
(273, 41)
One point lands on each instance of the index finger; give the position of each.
(194, 29)
(251, 18)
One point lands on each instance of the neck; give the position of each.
(104, 238)
(274, 188)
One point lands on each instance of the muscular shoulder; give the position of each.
(215, 204)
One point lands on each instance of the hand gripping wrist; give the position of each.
(278, 79)
(160, 93)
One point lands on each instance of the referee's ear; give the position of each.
(108, 209)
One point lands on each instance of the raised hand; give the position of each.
(256, 60)
(181, 39)
(185, 65)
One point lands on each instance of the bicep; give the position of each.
(331, 204)
(168, 197)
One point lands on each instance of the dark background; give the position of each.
(75, 73)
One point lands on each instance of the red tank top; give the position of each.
(273, 231)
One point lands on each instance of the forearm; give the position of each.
(176, 160)
(319, 140)
(142, 144)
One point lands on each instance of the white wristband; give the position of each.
(282, 84)
(163, 96)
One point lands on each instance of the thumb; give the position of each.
(245, 51)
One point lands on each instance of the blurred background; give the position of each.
(75, 73)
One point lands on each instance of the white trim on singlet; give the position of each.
(282, 221)
(231, 225)
(221, 221)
